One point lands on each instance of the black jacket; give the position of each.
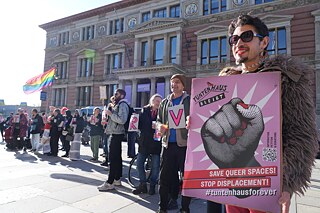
(97, 128)
(147, 144)
(37, 124)
(80, 124)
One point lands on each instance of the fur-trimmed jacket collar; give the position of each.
(299, 133)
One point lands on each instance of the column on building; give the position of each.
(81, 96)
(134, 92)
(150, 54)
(166, 50)
(167, 86)
(178, 48)
(137, 54)
(63, 96)
(152, 86)
(53, 97)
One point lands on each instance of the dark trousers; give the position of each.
(1, 130)
(115, 172)
(172, 161)
(106, 146)
(67, 146)
(132, 137)
(63, 141)
(54, 139)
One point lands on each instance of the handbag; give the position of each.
(69, 137)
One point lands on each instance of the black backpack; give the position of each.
(131, 111)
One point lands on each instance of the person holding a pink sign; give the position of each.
(173, 110)
(148, 144)
(95, 132)
(249, 39)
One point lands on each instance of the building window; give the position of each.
(86, 67)
(84, 96)
(111, 88)
(214, 6)
(59, 97)
(175, 11)
(278, 41)
(158, 51)
(262, 1)
(213, 50)
(116, 62)
(144, 53)
(160, 13)
(116, 26)
(110, 27)
(61, 69)
(119, 25)
(145, 17)
(173, 49)
(88, 33)
(64, 38)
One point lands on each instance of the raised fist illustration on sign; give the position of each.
(232, 134)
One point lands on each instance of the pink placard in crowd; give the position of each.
(234, 145)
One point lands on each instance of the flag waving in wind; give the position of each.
(39, 82)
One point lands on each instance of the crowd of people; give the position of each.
(248, 40)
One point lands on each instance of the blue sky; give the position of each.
(23, 41)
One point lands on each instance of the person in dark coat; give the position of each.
(67, 127)
(149, 144)
(36, 128)
(95, 133)
(55, 131)
(2, 125)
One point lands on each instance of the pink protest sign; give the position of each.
(234, 145)
(134, 123)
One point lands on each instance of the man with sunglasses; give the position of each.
(117, 118)
(249, 38)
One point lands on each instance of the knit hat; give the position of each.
(181, 77)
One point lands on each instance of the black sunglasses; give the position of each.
(246, 36)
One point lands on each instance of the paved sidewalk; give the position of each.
(38, 183)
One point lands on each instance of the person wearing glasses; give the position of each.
(117, 118)
(249, 39)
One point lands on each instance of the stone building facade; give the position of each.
(138, 44)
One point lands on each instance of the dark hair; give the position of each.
(259, 26)
(35, 110)
(242, 20)
(122, 92)
(68, 113)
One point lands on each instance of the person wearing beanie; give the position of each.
(174, 142)
(181, 77)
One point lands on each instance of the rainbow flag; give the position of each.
(39, 82)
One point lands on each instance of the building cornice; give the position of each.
(158, 24)
(152, 71)
(94, 12)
